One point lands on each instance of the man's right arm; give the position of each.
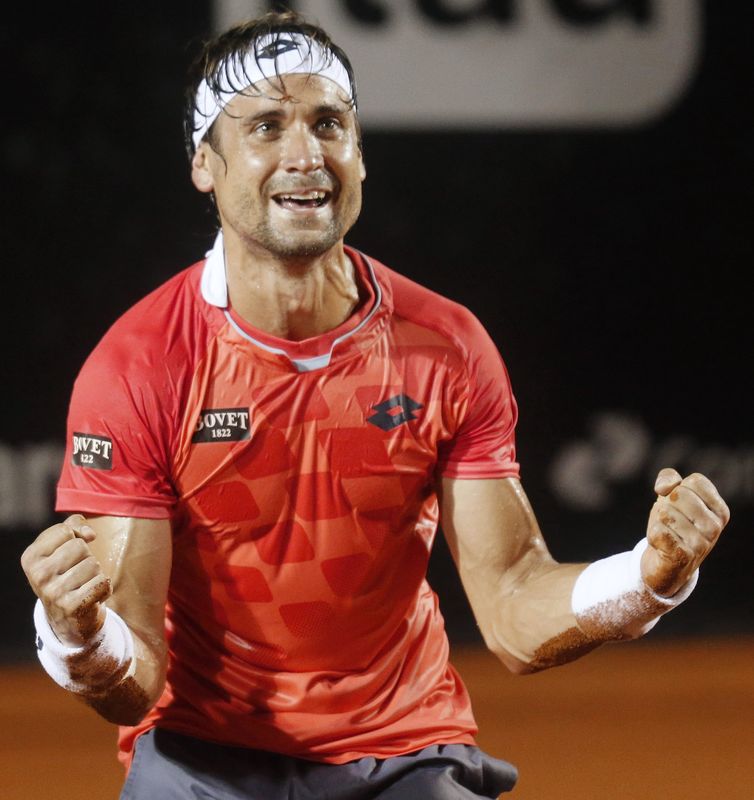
(80, 567)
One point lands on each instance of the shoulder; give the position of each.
(161, 333)
(420, 306)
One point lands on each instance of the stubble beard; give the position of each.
(292, 244)
(297, 242)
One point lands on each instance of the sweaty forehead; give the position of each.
(293, 90)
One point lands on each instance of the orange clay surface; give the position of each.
(650, 720)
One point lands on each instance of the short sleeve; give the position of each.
(117, 444)
(484, 444)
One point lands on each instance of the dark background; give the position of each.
(611, 267)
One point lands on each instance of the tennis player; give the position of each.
(259, 454)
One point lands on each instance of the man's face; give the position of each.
(288, 168)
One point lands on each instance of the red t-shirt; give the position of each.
(299, 478)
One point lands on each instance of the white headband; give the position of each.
(273, 55)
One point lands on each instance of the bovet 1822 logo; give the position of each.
(94, 452)
(222, 425)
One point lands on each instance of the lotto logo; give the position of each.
(94, 452)
(222, 425)
(394, 412)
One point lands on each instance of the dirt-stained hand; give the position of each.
(68, 579)
(684, 525)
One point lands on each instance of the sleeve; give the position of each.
(484, 443)
(117, 445)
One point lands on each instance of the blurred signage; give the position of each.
(28, 475)
(423, 64)
(619, 448)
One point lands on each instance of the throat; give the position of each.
(298, 306)
(300, 321)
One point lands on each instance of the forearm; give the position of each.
(126, 700)
(531, 625)
(558, 612)
(117, 671)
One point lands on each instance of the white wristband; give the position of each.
(105, 660)
(611, 600)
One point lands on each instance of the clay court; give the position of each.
(653, 720)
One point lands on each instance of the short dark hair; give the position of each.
(231, 47)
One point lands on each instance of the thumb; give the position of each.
(667, 480)
(80, 528)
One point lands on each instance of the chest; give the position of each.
(366, 425)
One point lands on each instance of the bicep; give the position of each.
(491, 529)
(495, 541)
(520, 596)
(136, 556)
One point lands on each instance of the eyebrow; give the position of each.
(278, 113)
(331, 109)
(264, 114)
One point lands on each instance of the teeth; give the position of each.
(313, 195)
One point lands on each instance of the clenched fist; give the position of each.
(68, 579)
(684, 524)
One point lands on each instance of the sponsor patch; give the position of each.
(222, 425)
(94, 452)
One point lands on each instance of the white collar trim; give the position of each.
(214, 288)
(214, 284)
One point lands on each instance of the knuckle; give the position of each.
(27, 560)
(672, 542)
(700, 482)
(51, 585)
(69, 604)
(53, 601)
(64, 606)
(39, 573)
(92, 566)
(75, 550)
(709, 524)
(63, 528)
(80, 547)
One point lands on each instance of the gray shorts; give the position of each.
(170, 766)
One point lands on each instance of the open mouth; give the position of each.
(303, 201)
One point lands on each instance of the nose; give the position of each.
(302, 150)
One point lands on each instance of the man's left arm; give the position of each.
(534, 612)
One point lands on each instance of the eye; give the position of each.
(329, 124)
(266, 128)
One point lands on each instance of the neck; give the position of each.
(294, 298)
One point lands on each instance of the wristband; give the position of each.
(611, 601)
(107, 659)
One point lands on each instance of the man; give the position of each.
(259, 453)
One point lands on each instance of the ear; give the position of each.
(201, 174)
(362, 166)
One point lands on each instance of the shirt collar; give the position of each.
(214, 284)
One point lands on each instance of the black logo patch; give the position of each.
(222, 425)
(277, 48)
(394, 412)
(94, 452)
